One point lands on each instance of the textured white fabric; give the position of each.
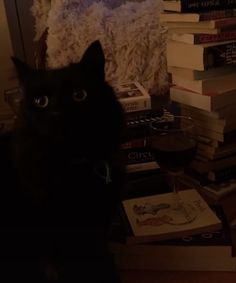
(41, 8)
(131, 35)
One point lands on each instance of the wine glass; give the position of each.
(173, 144)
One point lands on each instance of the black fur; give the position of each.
(69, 167)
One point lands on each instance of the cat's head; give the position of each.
(74, 102)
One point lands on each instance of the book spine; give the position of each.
(135, 143)
(136, 105)
(217, 14)
(138, 155)
(226, 23)
(208, 38)
(206, 5)
(145, 115)
(138, 122)
(220, 55)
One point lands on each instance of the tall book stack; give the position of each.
(201, 58)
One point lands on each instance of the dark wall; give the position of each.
(21, 27)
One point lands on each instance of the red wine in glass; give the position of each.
(173, 153)
(173, 144)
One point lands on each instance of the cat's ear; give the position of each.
(93, 60)
(23, 70)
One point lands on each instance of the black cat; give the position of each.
(70, 172)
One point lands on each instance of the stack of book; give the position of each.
(149, 235)
(138, 113)
(201, 58)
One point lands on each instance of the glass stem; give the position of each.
(174, 181)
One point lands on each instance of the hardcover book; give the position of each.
(133, 97)
(152, 219)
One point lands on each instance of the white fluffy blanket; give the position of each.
(40, 10)
(132, 38)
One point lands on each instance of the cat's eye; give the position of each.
(41, 101)
(79, 95)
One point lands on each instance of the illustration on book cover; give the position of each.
(161, 213)
(127, 90)
(155, 215)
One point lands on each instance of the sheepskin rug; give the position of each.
(133, 40)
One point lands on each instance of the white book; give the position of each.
(151, 218)
(133, 96)
(191, 74)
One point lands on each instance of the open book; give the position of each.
(151, 218)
